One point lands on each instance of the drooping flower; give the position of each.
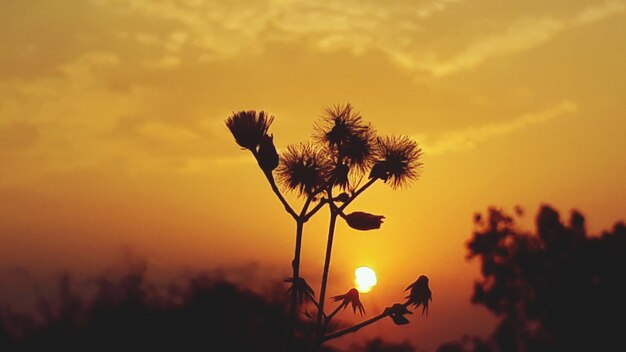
(302, 168)
(397, 313)
(420, 293)
(267, 156)
(248, 127)
(397, 160)
(363, 221)
(350, 140)
(350, 297)
(303, 291)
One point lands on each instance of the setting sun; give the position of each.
(365, 279)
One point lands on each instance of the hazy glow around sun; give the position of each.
(365, 279)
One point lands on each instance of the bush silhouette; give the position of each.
(204, 313)
(558, 289)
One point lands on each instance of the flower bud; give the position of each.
(379, 171)
(267, 156)
(343, 197)
(364, 221)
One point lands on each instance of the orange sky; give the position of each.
(112, 131)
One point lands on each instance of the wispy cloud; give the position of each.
(470, 137)
(517, 37)
(596, 13)
(410, 34)
(227, 30)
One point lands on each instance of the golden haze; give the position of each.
(112, 131)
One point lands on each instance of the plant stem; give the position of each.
(294, 292)
(355, 327)
(360, 325)
(295, 264)
(334, 212)
(288, 208)
(314, 210)
(329, 248)
(270, 179)
(356, 194)
(314, 301)
(330, 316)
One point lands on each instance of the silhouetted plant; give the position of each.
(344, 159)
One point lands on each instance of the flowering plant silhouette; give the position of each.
(345, 158)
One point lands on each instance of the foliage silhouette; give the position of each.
(204, 313)
(330, 171)
(558, 289)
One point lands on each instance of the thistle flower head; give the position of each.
(248, 127)
(339, 174)
(350, 140)
(350, 297)
(397, 160)
(302, 168)
(420, 293)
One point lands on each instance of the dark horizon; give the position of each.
(576, 280)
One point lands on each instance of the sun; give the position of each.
(365, 279)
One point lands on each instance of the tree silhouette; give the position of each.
(558, 289)
(344, 158)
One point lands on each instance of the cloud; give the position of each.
(411, 35)
(225, 30)
(429, 9)
(140, 61)
(520, 36)
(470, 137)
(599, 12)
(400, 30)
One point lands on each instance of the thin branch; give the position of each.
(270, 179)
(319, 206)
(356, 327)
(387, 312)
(309, 199)
(280, 196)
(356, 194)
(296, 267)
(317, 305)
(330, 317)
(329, 248)
(295, 264)
(314, 210)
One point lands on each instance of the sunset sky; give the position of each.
(112, 134)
